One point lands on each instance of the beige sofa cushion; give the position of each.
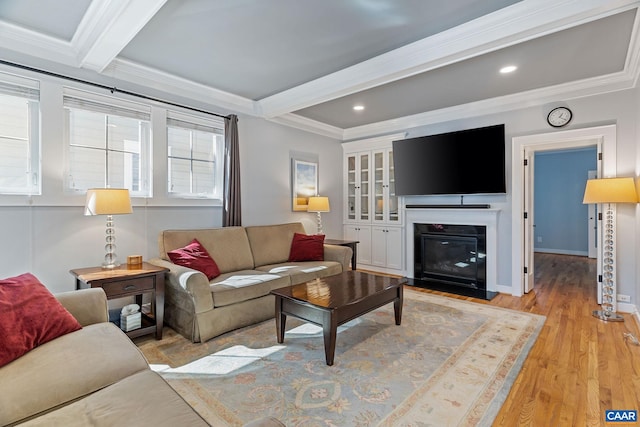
(143, 399)
(61, 370)
(228, 246)
(303, 272)
(238, 286)
(271, 244)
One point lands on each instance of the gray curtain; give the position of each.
(231, 209)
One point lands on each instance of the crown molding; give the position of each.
(508, 26)
(20, 39)
(107, 27)
(148, 77)
(308, 125)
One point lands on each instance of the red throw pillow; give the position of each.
(307, 248)
(195, 256)
(29, 316)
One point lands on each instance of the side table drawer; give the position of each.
(128, 286)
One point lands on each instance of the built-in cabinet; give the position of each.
(373, 211)
(386, 247)
(361, 234)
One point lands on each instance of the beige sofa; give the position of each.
(252, 261)
(94, 376)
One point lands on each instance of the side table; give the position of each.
(130, 280)
(353, 244)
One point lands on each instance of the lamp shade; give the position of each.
(610, 190)
(107, 201)
(318, 204)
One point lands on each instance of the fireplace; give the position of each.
(451, 258)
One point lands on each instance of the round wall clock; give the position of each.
(559, 117)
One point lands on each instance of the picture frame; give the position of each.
(304, 182)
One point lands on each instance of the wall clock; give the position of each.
(559, 117)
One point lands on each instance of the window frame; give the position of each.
(74, 99)
(29, 91)
(215, 126)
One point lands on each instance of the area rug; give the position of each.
(450, 363)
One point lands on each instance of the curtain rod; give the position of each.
(109, 88)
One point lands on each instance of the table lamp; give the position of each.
(609, 190)
(318, 204)
(109, 202)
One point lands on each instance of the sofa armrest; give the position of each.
(341, 254)
(192, 281)
(88, 306)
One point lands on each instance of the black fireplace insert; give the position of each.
(451, 258)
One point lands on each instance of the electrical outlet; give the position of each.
(624, 298)
(539, 239)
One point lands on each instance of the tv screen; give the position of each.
(470, 161)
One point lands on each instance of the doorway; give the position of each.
(524, 148)
(561, 220)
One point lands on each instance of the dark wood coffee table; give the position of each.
(331, 301)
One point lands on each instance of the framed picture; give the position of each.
(304, 182)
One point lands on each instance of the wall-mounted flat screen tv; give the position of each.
(470, 161)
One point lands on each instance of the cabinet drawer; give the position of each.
(131, 286)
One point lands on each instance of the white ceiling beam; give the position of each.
(515, 24)
(107, 27)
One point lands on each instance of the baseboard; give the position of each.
(636, 316)
(625, 307)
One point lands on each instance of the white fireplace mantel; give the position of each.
(458, 216)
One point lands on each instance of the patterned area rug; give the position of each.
(450, 363)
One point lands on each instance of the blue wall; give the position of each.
(559, 215)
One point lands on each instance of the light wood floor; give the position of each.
(579, 366)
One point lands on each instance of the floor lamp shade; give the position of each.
(609, 191)
(109, 202)
(318, 204)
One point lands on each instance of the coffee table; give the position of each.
(331, 301)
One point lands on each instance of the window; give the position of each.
(194, 148)
(19, 136)
(108, 144)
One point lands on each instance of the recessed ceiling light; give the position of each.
(508, 69)
(358, 107)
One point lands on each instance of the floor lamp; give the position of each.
(109, 202)
(318, 204)
(609, 191)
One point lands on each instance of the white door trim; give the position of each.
(603, 136)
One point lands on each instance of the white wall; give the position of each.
(265, 174)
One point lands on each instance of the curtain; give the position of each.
(231, 209)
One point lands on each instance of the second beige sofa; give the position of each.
(252, 260)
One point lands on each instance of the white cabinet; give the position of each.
(361, 234)
(373, 213)
(386, 247)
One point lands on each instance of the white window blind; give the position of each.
(108, 143)
(19, 136)
(194, 147)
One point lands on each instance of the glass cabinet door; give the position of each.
(393, 215)
(364, 187)
(378, 187)
(351, 187)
